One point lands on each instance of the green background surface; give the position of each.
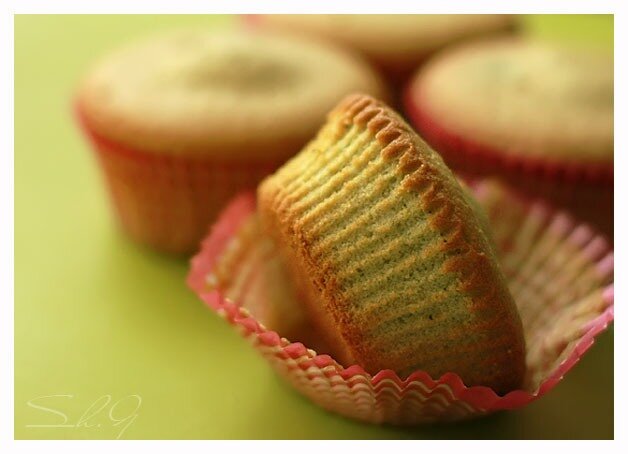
(98, 316)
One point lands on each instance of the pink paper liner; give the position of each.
(385, 397)
(168, 201)
(252, 20)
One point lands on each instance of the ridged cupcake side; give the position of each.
(392, 263)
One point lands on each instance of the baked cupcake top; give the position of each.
(394, 41)
(522, 98)
(234, 93)
(396, 268)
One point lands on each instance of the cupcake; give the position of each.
(539, 115)
(559, 272)
(395, 269)
(396, 43)
(181, 122)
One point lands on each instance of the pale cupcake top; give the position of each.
(393, 40)
(523, 98)
(231, 93)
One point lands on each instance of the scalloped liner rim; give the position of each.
(480, 397)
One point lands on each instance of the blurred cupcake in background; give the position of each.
(183, 121)
(539, 115)
(395, 43)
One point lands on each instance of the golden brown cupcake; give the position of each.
(396, 43)
(540, 115)
(183, 121)
(396, 268)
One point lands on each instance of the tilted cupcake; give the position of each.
(396, 43)
(183, 121)
(541, 115)
(395, 268)
(559, 270)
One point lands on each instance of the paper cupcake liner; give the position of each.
(560, 273)
(168, 201)
(585, 189)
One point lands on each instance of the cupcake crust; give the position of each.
(232, 94)
(521, 98)
(394, 266)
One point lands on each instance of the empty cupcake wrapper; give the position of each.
(168, 201)
(585, 189)
(560, 273)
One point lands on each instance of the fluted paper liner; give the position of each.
(168, 200)
(559, 271)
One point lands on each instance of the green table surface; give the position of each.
(108, 339)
